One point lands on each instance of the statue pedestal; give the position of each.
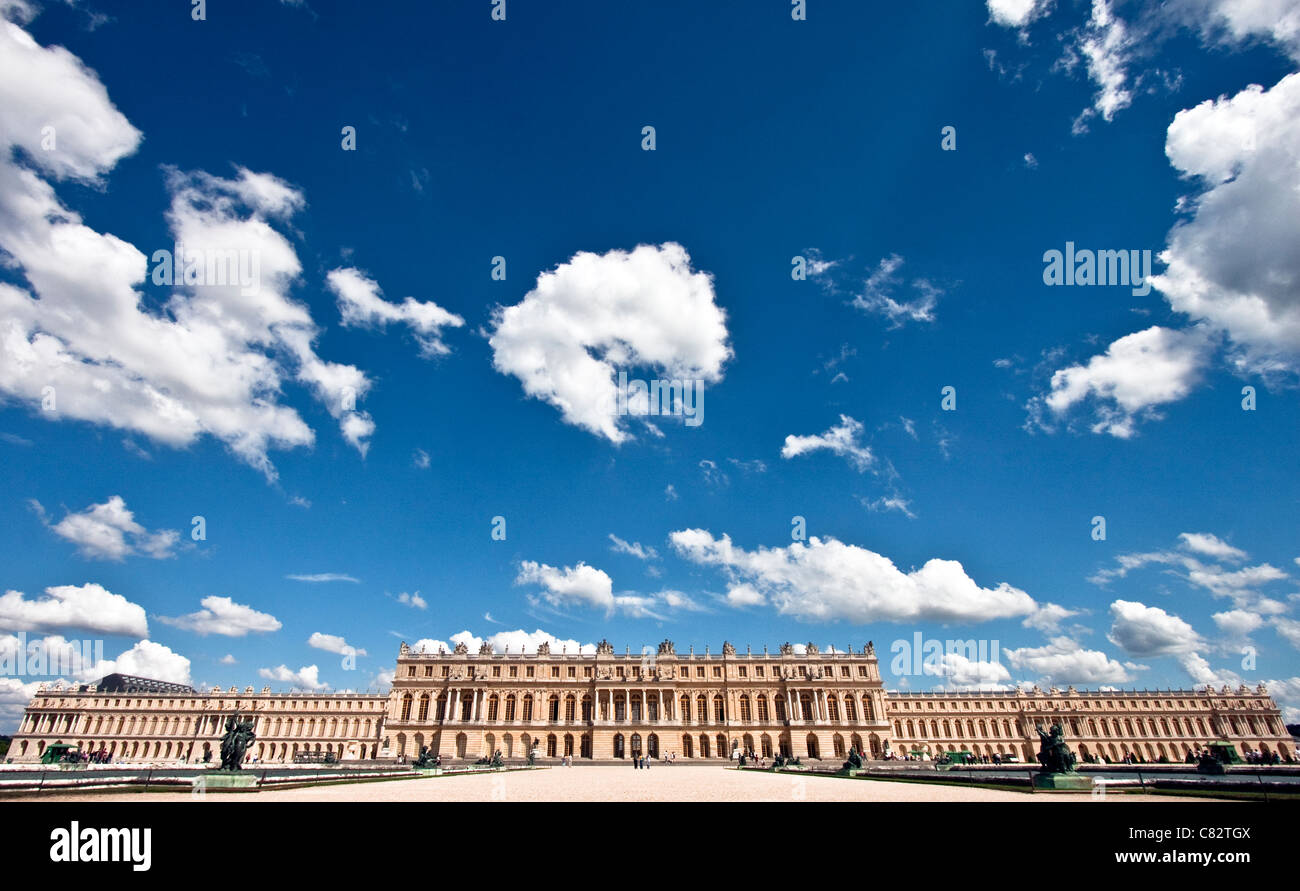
(229, 780)
(1062, 782)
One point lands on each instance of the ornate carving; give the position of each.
(485, 649)
(871, 649)
(604, 648)
(787, 649)
(462, 649)
(666, 648)
(810, 649)
(728, 649)
(404, 650)
(544, 648)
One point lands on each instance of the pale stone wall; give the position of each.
(169, 727)
(604, 706)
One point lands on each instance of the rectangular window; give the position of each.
(573, 672)
(717, 671)
(496, 671)
(744, 672)
(428, 671)
(529, 671)
(410, 671)
(699, 671)
(446, 671)
(555, 671)
(586, 672)
(514, 671)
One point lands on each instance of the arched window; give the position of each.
(553, 709)
(528, 707)
(570, 706)
(686, 709)
(850, 709)
(762, 709)
(494, 707)
(510, 707)
(719, 710)
(832, 708)
(702, 708)
(406, 707)
(744, 710)
(424, 707)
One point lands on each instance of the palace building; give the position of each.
(603, 706)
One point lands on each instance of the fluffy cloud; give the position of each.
(573, 585)
(1016, 13)
(1142, 630)
(213, 359)
(842, 439)
(517, 641)
(1064, 661)
(305, 678)
(600, 313)
(1234, 263)
(147, 659)
(1211, 546)
(1137, 373)
(826, 580)
(1048, 617)
(1105, 44)
(87, 607)
(1237, 623)
(322, 577)
(412, 600)
(962, 672)
(332, 643)
(221, 615)
(109, 531)
(362, 304)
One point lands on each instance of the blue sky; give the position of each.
(377, 397)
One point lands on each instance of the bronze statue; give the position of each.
(238, 737)
(1053, 753)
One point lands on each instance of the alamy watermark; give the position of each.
(1102, 268)
(662, 398)
(40, 659)
(921, 656)
(209, 267)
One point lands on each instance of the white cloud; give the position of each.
(517, 641)
(413, 600)
(1234, 264)
(573, 585)
(109, 531)
(827, 580)
(1048, 617)
(221, 615)
(745, 594)
(1064, 661)
(1236, 21)
(1137, 373)
(214, 358)
(1105, 46)
(88, 607)
(228, 659)
(1142, 631)
(332, 643)
(147, 659)
(635, 549)
(601, 313)
(361, 303)
(322, 577)
(1211, 546)
(420, 458)
(1237, 623)
(842, 439)
(1016, 13)
(963, 672)
(305, 678)
(877, 295)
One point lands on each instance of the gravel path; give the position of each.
(624, 784)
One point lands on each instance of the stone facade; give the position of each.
(609, 706)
